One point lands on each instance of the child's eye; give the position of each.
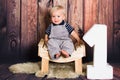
(58, 16)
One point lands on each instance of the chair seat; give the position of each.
(77, 54)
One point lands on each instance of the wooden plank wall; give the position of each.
(90, 18)
(99, 12)
(116, 31)
(90, 13)
(75, 13)
(28, 19)
(43, 16)
(28, 29)
(106, 17)
(13, 28)
(2, 28)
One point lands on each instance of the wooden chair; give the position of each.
(76, 56)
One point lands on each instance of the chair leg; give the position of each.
(78, 66)
(45, 65)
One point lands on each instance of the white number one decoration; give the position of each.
(97, 37)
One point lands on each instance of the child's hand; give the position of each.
(45, 42)
(78, 44)
(46, 39)
(81, 42)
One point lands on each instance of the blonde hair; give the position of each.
(56, 8)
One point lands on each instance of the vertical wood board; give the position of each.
(28, 28)
(13, 26)
(44, 19)
(90, 13)
(116, 31)
(75, 13)
(106, 17)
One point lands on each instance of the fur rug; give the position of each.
(58, 70)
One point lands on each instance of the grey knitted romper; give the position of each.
(59, 39)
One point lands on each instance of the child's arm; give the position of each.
(79, 41)
(75, 35)
(46, 38)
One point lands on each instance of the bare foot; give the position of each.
(57, 55)
(65, 54)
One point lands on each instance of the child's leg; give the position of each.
(57, 55)
(53, 49)
(67, 48)
(65, 54)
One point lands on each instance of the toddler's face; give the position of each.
(57, 17)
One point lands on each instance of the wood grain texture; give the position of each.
(13, 27)
(24, 25)
(75, 13)
(28, 28)
(116, 12)
(116, 46)
(44, 19)
(90, 18)
(29, 22)
(106, 17)
(116, 31)
(90, 13)
(60, 2)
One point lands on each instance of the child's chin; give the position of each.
(57, 23)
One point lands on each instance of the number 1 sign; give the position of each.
(97, 37)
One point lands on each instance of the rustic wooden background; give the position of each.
(25, 21)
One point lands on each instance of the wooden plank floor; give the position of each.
(5, 74)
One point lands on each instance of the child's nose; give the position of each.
(55, 18)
